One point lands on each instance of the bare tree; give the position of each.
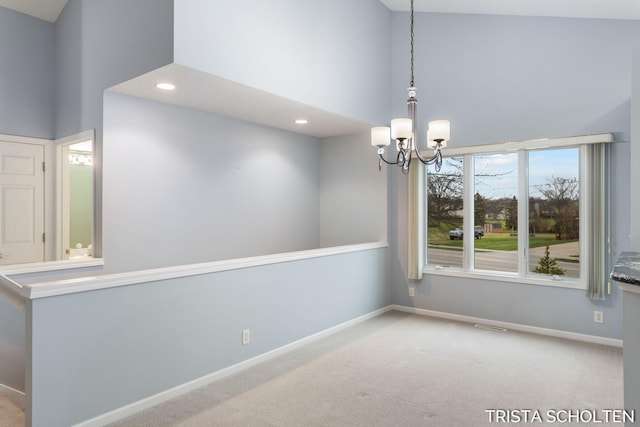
(562, 196)
(445, 196)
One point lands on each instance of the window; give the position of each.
(554, 212)
(445, 214)
(532, 211)
(495, 212)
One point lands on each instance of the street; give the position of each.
(507, 260)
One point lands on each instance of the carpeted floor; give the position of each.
(407, 370)
(10, 414)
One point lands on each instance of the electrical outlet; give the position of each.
(598, 317)
(412, 292)
(246, 336)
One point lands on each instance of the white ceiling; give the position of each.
(607, 9)
(49, 10)
(205, 92)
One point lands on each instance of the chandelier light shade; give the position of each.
(380, 136)
(403, 132)
(401, 129)
(438, 130)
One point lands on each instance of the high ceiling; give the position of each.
(49, 10)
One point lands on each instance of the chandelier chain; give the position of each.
(403, 130)
(412, 84)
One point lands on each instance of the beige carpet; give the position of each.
(10, 414)
(406, 370)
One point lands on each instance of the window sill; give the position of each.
(511, 278)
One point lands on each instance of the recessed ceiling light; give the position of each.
(166, 86)
(301, 121)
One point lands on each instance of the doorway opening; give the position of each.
(75, 204)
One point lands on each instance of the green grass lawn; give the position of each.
(500, 241)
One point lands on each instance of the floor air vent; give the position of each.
(489, 327)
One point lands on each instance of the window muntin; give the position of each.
(487, 184)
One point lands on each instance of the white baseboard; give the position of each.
(174, 392)
(15, 396)
(514, 326)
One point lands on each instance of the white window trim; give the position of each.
(522, 276)
(535, 144)
(497, 276)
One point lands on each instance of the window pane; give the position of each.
(444, 214)
(554, 206)
(496, 212)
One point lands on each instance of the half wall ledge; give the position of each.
(84, 284)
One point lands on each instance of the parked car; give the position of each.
(458, 232)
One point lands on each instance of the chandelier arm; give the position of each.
(436, 159)
(404, 159)
(386, 161)
(438, 162)
(407, 165)
(401, 158)
(426, 161)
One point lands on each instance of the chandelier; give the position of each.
(403, 132)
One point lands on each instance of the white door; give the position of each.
(21, 203)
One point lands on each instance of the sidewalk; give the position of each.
(569, 250)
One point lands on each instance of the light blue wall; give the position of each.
(27, 83)
(331, 54)
(507, 78)
(94, 53)
(182, 186)
(103, 43)
(200, 187)
(94, 352)
(27, 86)
(501, 78)
(353, 192)
(100, 44)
